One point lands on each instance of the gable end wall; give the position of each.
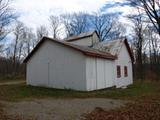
(124, 59)
(57, 66)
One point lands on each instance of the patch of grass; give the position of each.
(137, 91)
(21, 91)
(11, 78)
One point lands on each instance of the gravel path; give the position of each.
(59, 109)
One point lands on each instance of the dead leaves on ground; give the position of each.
(147, 110)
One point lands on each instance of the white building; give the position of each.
(80, 63)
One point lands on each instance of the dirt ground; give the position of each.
(58, 109)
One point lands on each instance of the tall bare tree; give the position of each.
(17, 43)
(139, 41)
(75, 23)
(6, 17)
(41, 32)
(29, 39)
(152, 10)
(55, 25)
(66, 20)
(153, 42)
(153, 52)
(103, 24)
(118, 30)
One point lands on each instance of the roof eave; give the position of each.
(129, 50)
(100, 56)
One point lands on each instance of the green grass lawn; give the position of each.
(137, 91)
(11, 78)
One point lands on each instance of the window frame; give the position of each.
(118, 71)
(125, 71)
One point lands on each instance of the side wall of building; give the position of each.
(99, 73)
(122, 61)
(57, 66)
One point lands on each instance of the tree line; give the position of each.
(144, 39)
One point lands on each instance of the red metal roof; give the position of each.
(85, 50)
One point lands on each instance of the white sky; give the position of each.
(34, 13)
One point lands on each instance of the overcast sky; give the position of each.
(36, 12)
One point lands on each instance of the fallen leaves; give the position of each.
(144, 110)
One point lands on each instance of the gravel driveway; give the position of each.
(59, 109)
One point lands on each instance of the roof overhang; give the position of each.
(129, 50)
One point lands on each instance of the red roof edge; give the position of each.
(101, 56)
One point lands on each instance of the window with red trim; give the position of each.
(125, 71)
(118, 71)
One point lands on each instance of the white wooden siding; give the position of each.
(91, 74)
(109, 73)
(57, 66)
(123, 60)
(99, 73)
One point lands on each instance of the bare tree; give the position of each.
(1, 48)
(41, 32)
(139, 27)
(18, 44)
(55, 25)
(75, 23)
(6, 17)
(66, 19)
(20, 49)
(21, 45)
(153, 52)
(152, 10)
(118, 30)
(103, 24)
(29, 39)
(153, 42)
